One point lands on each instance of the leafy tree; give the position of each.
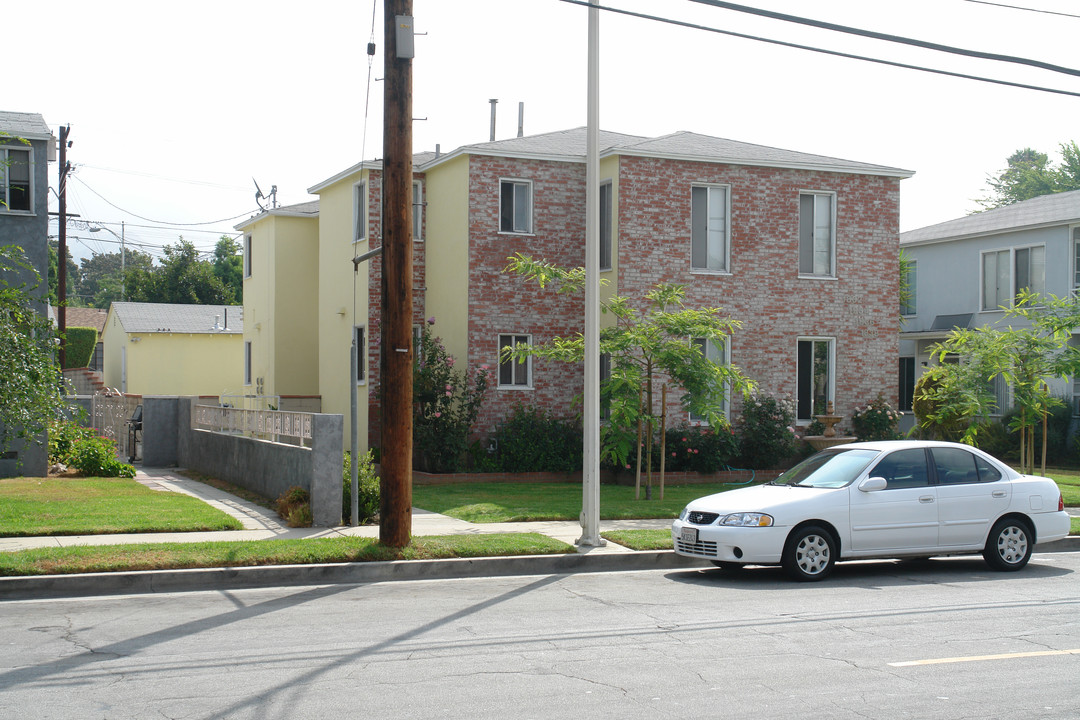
(181, 278)
(74, 297)
(229, 267)
(644, 344)
(1030, 174)
(99, 281)
(29, 377)
(1025, 357)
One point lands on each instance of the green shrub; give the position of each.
(766, 430)
(996, 437)
(700, 449)
(368, 497)
(79, 344)
(294, 507)
(63, 434)
(96, 457)
(531, 440)
(876, 421)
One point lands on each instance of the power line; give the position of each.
(888, 38)
(162, 222)
(797, 46)
(163, 177)
(1017, 7)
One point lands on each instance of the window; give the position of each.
(15, 190)
(247, 256)
(1007, 272)
(360, 215)
(955, 467)
(999, 388)
(512, 373)
(909, 285)
(816, 241)
(515, 206)
(361, 353)
(247, 362)
(1076, 259)
(417, 211)
(717, 353)
(605, 226)
(709, 228)
(605, 375)
(903, 469)
(815, 377)
(907, 383)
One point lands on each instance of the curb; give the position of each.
(229, 578)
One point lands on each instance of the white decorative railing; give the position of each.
(110, 415)
(261, 424)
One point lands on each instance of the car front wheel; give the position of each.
(809, 554)
(1009, 545)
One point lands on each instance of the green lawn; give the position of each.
(162, 556)
(640, 539)
(93, 506)
(518, 502)
(1069, 482)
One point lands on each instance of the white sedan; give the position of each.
(898, 499)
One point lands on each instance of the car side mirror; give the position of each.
(873, 484)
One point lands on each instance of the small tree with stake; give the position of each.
(644, 345)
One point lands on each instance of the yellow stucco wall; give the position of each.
(173, 363)
(280, 305)
(446, 253)
(337, 309)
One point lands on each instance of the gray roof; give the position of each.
(570, 145)
(304, 209)
(136, 317)
(1045, 210)
(30, 126)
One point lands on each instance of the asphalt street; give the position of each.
(942, 639)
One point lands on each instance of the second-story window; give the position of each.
(515, 206)
(605, 226)
(417, 211)
(247, 256)
(360, 212)
(15, 193)
(817, 241)
(909, 289)
(1006, 272)
(709, 228)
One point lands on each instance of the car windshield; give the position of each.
(828, 469)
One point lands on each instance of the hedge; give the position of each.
(79, 348)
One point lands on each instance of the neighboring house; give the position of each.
(94, 318)
(167, 349)
(25, 148)
(965, 270)
(802, 249)
(281, 284)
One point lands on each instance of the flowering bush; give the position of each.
(700, 449)
(446, 403)
(531, 440)
(766, 430)
(876, 421)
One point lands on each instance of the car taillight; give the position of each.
(1061, 502)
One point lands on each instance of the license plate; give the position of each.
(689, 535)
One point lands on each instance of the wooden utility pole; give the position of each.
(395, 509)
(61, 264)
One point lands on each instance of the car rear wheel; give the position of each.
(809, 554)
(1009, 545)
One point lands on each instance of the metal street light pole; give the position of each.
(120, 237)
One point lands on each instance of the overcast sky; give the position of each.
(175, 107)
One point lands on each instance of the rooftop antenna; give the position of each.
(260, 196)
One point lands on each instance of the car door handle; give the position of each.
(926, 499)
(998, 493)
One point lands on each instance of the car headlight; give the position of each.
(747, 520)
(682, 515)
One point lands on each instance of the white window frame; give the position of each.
(360, 335)
(517, 183)
(247, 256)
(1074, 233)
(725, 263)
(360, 212)
(1013, 287)
(418, 206)
(830, 389)
(912, 308)
(607, 224)
(516, 367)
(814, 273)
(5, 192)
(247, 363)
(724, 360)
